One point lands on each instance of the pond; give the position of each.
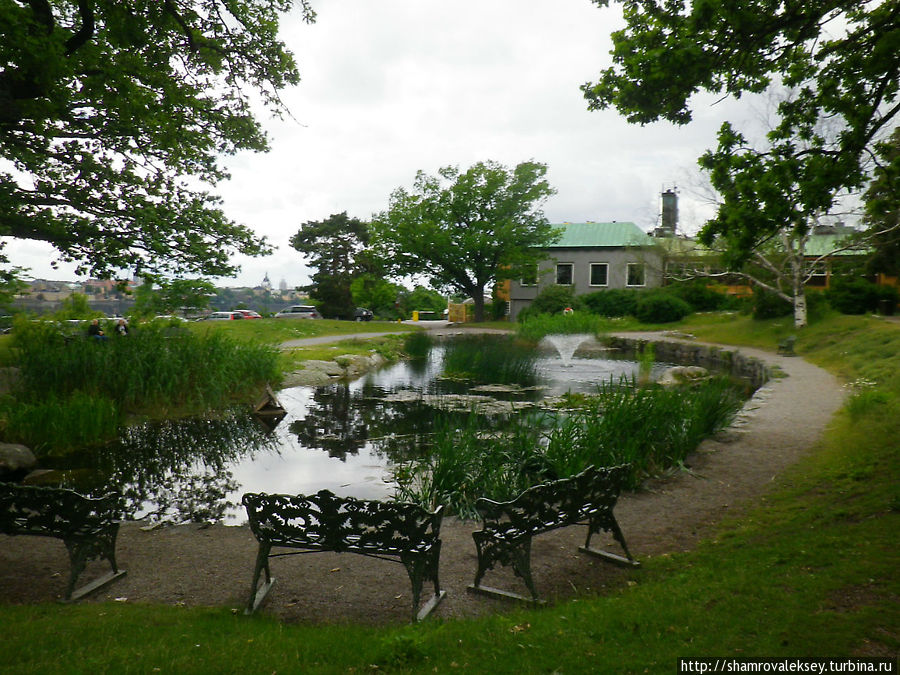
(345, 437)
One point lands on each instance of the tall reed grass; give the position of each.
(152, 371)
(650, 428)
(538, 326)
(417, 345)
(653, 429)
(500, 359)
(57, 425)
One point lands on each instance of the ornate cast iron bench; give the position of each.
(394, 531)
(508, 527)
(88, 526)
(786, 346)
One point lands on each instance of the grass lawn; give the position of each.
(810, 571)
(275, 331)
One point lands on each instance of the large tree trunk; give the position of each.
(479, 305)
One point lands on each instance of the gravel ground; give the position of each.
(196, 566)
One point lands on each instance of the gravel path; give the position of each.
(195, 566)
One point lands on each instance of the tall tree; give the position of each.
(113, 115)
(841, 61)
(335, 247)
(883, 209)
(466, 231)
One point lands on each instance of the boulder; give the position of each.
(16, 459)
(306, 378)
(328, 367)
(683, 375)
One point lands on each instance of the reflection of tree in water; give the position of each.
(176, 467)
(333, 422)
(342, 421)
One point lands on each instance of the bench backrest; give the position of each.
(555, 504)
(55, 512)
(324, 521)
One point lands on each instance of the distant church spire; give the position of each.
(266, 283)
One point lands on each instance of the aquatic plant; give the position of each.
(500, 359)
(57, 424)
(538, 326)
(152, 371)
(651, 428)
(417, 345)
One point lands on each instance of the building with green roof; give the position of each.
(592, 257)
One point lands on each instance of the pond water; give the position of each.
(344, 437)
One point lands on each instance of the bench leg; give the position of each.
(258, 595)
(419, 569)
(79, 554)
(107, 578)
(516, 554)
(609, 523)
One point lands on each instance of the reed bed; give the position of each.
(417, 345)
(491, 358)
(153, 371)
(536, 327)
(651, 428)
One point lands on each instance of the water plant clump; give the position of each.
(468, 456)
(152, 371)
(491, 359)
(650, 428)
(538, 326)
(417, 345)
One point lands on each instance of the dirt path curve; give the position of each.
(195, 566)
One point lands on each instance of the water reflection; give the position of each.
(344, 437)
(178, 470)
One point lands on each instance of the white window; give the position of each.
(530, 277)
(635, 274)
(564, 274)
(599, 274)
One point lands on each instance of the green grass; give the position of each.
(809, 571)
(275, 331)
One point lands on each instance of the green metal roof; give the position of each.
(592, 235)
(822, 244)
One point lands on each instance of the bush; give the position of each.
(767, 305)
(857, 296)
(552, 300)
(699, 295)
(611, 303)
(660, 308)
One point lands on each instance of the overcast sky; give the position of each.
(390, 87)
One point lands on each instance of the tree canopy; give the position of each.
(839, 64)
(466, 230)
(114, 115)
(335, 247)
(883, 209)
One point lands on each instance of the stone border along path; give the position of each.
(198, 565)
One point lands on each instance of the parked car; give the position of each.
(224, 316)
(248, 314)
(299, 312)
(362, 314)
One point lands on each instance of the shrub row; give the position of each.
(673, 303)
